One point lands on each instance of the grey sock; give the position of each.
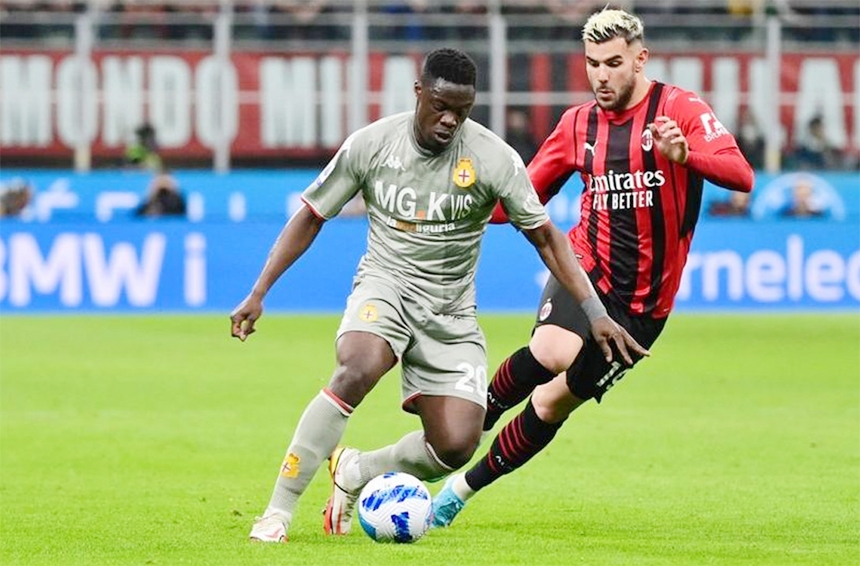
(317, 434)
(411, 454)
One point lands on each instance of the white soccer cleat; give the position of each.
(337, 517)
(271, 528)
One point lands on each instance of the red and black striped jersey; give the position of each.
(639, 209)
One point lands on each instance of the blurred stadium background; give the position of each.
(150, 153)
(234, 105)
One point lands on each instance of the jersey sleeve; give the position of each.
(555, 161)
(551, 166)
(336, 184)
(714, 153)
(517, 194)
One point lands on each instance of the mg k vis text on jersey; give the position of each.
(436, 211)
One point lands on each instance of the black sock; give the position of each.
(515, 379)
(516, 443)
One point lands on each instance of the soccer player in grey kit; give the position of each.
(430, 180)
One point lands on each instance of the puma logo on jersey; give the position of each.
(591, 147)
(394, 163)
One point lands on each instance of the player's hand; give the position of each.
(244, 316)
(669, 139)
(608, 333)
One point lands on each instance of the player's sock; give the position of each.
(516, 443)
(411, 454)
(461, 487)
(317, 434)
(515, 379)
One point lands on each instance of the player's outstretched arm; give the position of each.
(720, 162)
(296, 237)
(556, 253)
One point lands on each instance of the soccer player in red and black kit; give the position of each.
(643, 150)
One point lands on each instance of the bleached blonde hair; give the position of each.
(608, 24)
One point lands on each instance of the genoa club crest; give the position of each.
(464, 173)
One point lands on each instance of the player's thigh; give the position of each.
(555, 347)
(447, 358)
(561, 328)
(591, 376)
(362, 359)
(377, 308)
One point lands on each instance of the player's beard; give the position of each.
(624, 94)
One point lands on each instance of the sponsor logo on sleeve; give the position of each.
(713, 127)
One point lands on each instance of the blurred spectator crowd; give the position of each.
(414, 19)
(440, 20)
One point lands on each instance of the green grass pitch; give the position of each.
(156, 440)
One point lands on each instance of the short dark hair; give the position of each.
(451, 65)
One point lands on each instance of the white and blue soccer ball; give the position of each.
(395, 507)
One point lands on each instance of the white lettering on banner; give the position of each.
(769, 276)
(71, 258)
(28, 270)
(331, 112)
(196, 206)
(726, 74)
(814, 100)
(109, 273)
(25, 101)
(217, 102)
(688, 73)
(122, 86)
(857, 103)
(76, 117)
(109, 201)
(195, 270)
(288, 102)
(302, 100)
(58, 196)
(170, 100)
(399, 76)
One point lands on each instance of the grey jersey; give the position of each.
(427, 212)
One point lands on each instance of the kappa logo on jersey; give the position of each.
(647, 139)
(713, 127)
(464, 173)
(290, 466)
(591, 147)
(394, 163)
(368, 313)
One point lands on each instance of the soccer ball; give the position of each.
(395, 507)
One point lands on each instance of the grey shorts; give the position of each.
(439, 354)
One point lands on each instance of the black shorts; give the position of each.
(590, 375)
